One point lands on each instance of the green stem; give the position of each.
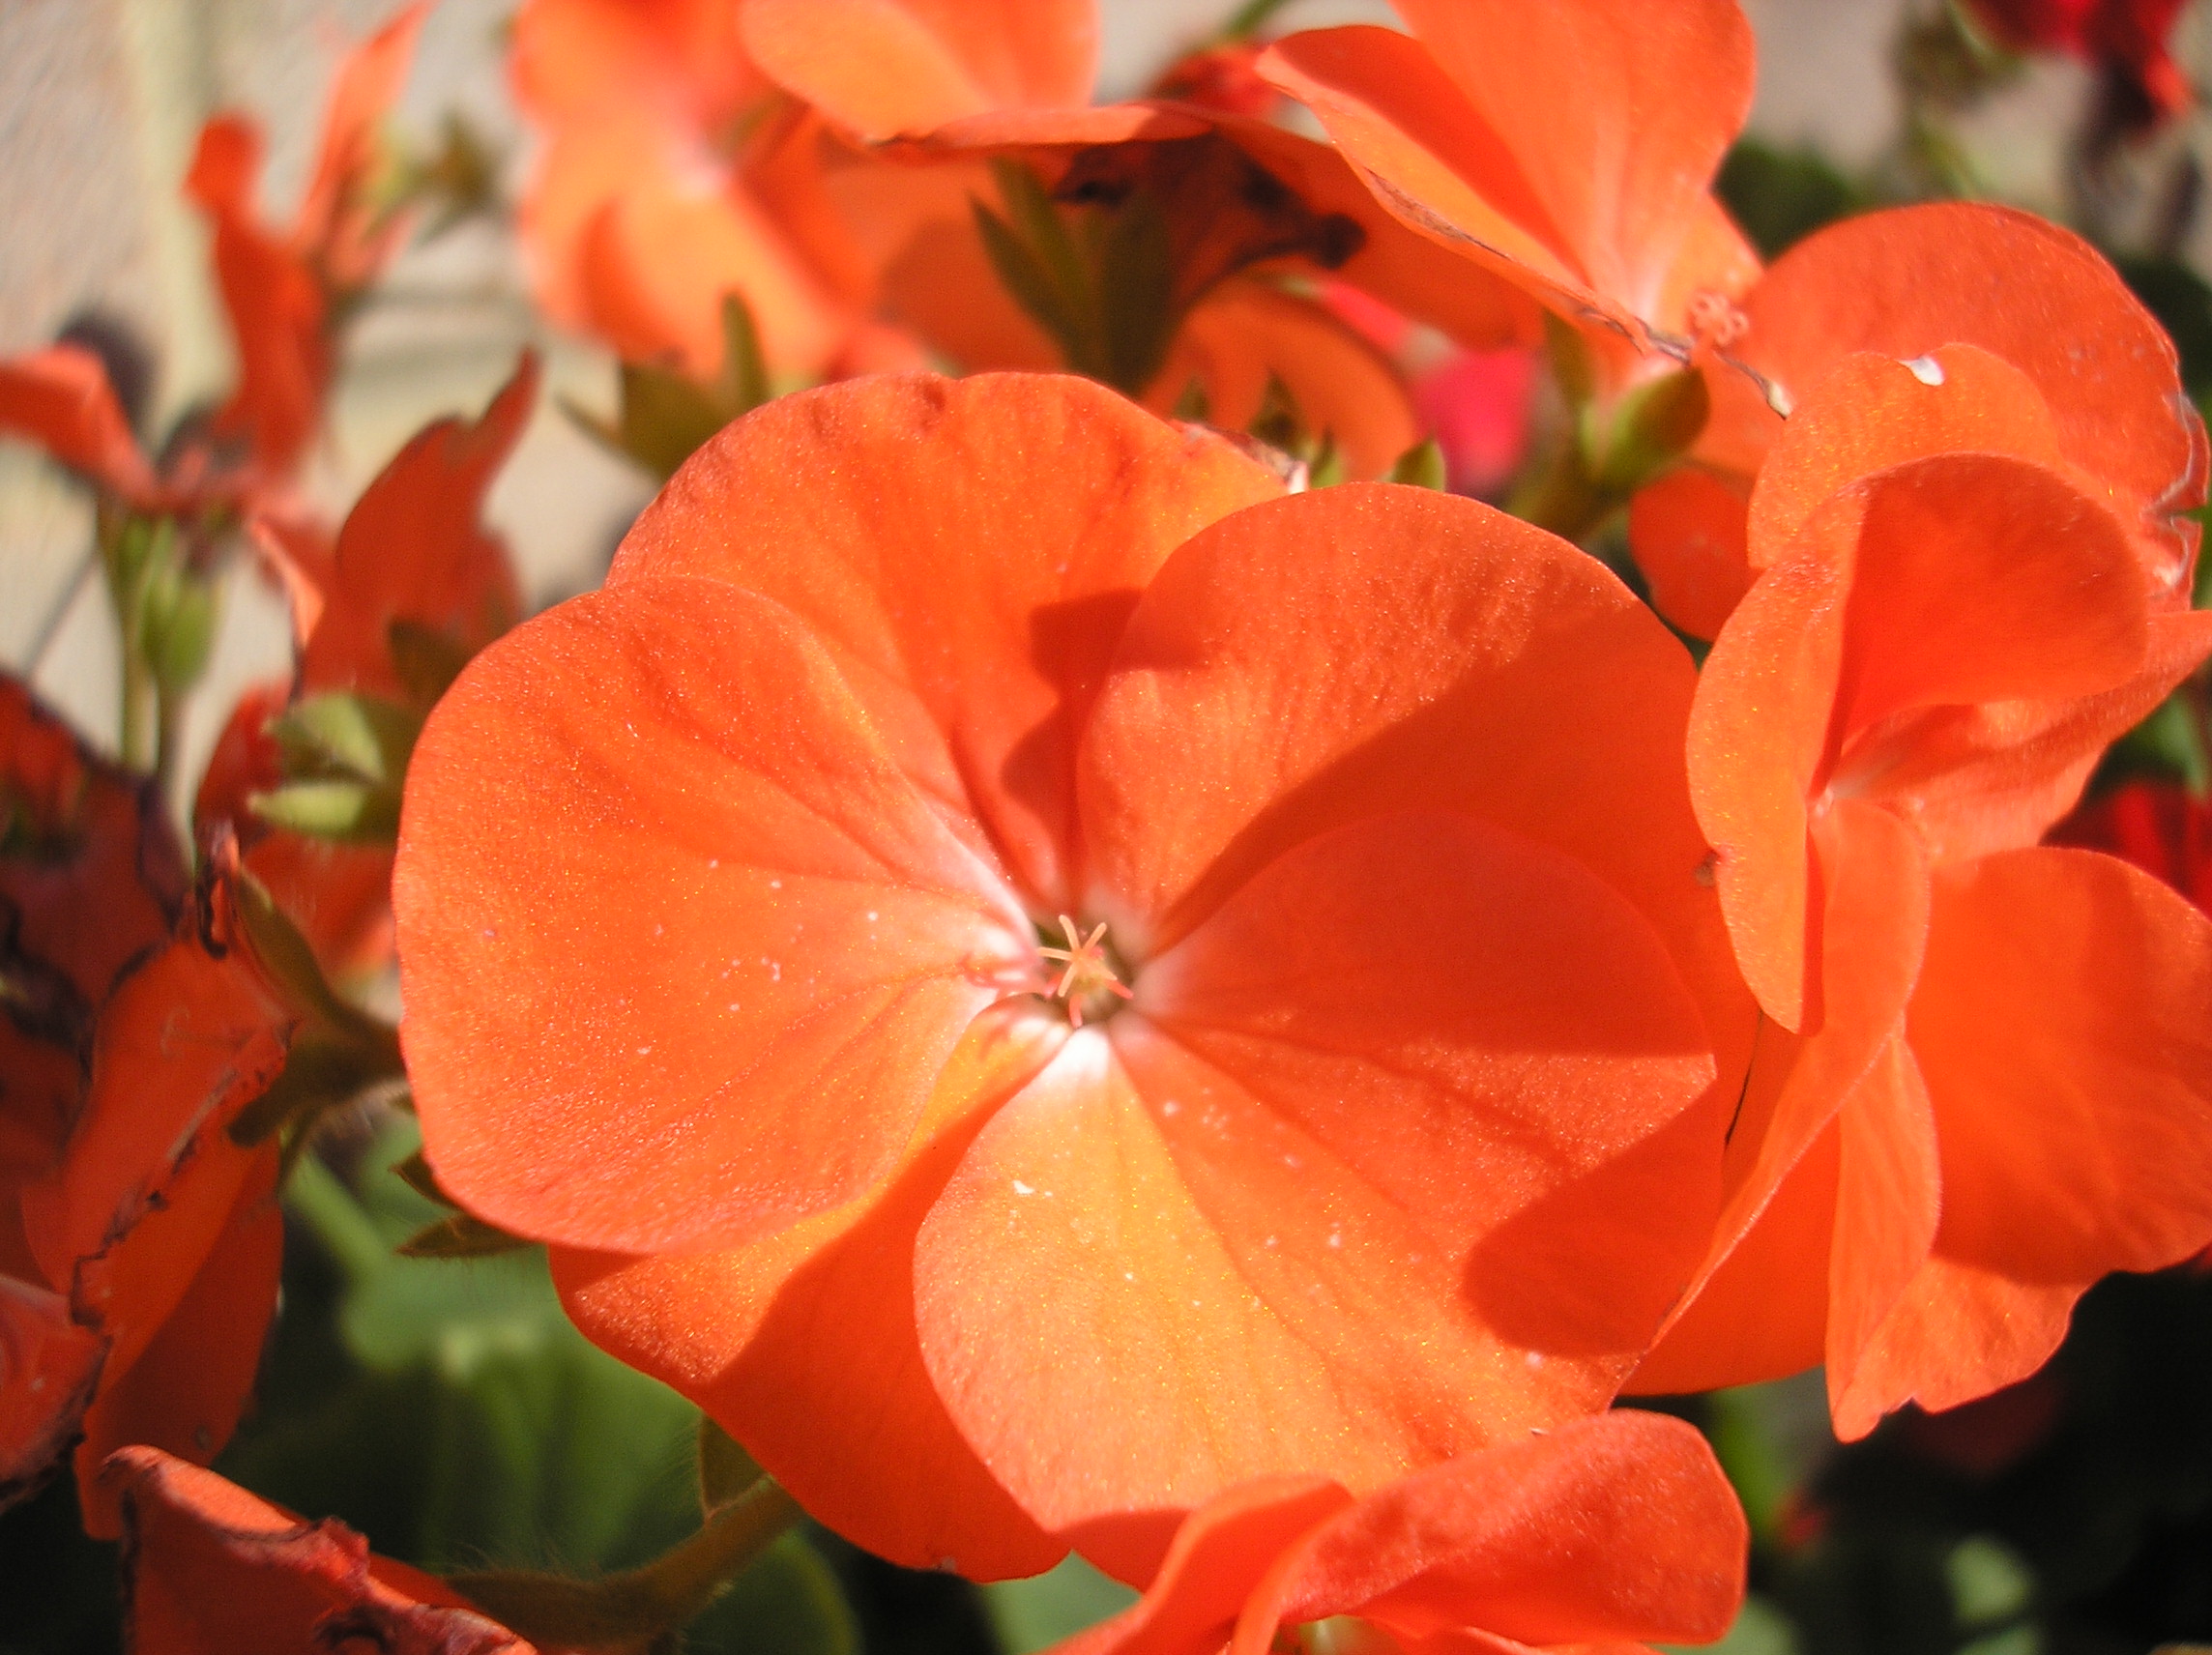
(136, 733)
(666, 1594)
(321, 1202)
(168, 737)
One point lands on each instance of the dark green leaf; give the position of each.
(1781, 196)
(726, 1472)
(1654, 424)
(462, 1236)
(1030, 285)
(320, 1072)
(745, 370)
(1041, 1610)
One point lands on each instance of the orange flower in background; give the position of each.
(284, 290)
(2092, 385)
(1986, 1083)
(1610, 1530)
(1250, 212)
(2127, 37)
(282, 293)
(673, 174)
(211, 1570)
(1567, 149)
(414, 586)
(747, 907)
(136, 1210)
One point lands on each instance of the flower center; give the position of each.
(1089, 982)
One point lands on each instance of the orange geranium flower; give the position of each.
(284, 290)
(1246, 204)
(1610, 1530)
(2084, 379)
(415, 575)
(987, 849)
(140, 1242)
(210, 1569)
(673, 174)
(282, 293)
(1568, 148)
(1987, 1080)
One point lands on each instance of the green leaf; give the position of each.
(320, 1072)
(1044, 1609)
(726, 1472)
(1989, 1582)
(1026, 279)
(348, 812)
(745, 370)
(291, 964)
(665, 417)
(461, 1235)
(788, 1603)
(1136, 293)
(345, 736)
(1421, 466)
(1654, 424)
(1759, 1629)
(1572, 367)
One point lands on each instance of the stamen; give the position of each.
(1090, 969)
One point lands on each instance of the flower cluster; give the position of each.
(1074, 950)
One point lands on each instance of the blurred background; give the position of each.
(443, 1408)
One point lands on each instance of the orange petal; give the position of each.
(574, 61)
(99, 879)
(1324, 1151)
(210, 1569)
(653, 262)
(884, 68)
(1569, 147)
(1956, 1334)
(1888, 1191)
(188, 1385)
(1758, 733)
(1872, 927)
(1218, 1553)
(1991, 777)
(1689, 533)
(275, 305)
(975, 631)
(412, 550)
(1245, 332)
(663, 898)
(1976, 578)
(1618, 1526)
(1394, 262)
(60, 399)
(1342, 653)
(2059, 1023)
(49, 1365)
(363, 93)
(1907, 281)
(817, 1324)
(149, 1181)
(1873, 412)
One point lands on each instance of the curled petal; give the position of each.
(212, 1569)
(60, 399)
